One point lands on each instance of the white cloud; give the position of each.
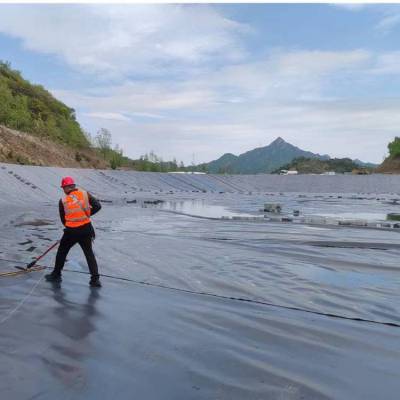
(389, 15)
(387, 64)
(139, 98)
(387, 23)
(237, 108)
(148, 115)
(294, 74)
(291, 75)
(119, 39)
(107, 115)
(351, 6)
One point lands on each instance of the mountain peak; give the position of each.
(262, 159)
(278, 141)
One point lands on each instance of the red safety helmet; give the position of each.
(67, 181)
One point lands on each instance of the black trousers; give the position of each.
(69, 239)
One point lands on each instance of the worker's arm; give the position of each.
(95, 205)
(62, 212)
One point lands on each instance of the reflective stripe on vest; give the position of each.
(76, 208)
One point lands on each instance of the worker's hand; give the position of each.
(93, 234)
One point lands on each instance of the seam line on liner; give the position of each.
(242, 299)
(21, 303)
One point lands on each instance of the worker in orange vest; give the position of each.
(75, 209)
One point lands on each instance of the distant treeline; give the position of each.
(152, 163)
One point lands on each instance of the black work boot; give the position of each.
(53, 277)
(95, 281)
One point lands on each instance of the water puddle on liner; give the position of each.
(35, 222)
(370, 217)
(197, 208)
(348, 279)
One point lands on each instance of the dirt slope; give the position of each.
(389, 166)
(23, 148)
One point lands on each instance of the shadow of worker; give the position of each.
(69, 355)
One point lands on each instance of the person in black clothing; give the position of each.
(83, 235)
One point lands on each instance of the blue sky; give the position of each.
(202, 80)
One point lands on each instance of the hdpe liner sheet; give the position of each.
(152, 332)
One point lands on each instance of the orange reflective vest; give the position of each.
(76, 208)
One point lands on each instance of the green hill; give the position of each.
(31, 108)
(391, 164)
(306, 165)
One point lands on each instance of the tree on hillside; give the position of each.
(117, 157)
(89, 138)
(103, 141)
(394, 147)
